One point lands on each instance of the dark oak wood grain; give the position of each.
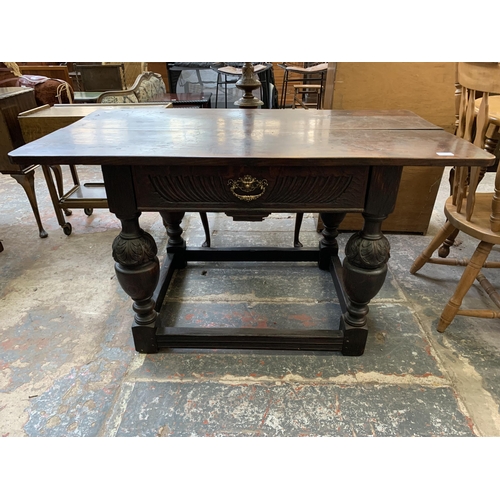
(288, 137)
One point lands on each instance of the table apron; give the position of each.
(250, 188)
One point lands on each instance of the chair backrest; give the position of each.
(101, 77)
(272, 95)
(51, 71)
(148, 87)
(131, 71)
(475, 78)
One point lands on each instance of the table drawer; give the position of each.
(248, 188)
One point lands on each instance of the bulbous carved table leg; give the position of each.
(364, 272)
(137, 269)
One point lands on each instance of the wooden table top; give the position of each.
(41, 121)
(292, 137)
(80, 110)
(180, 97)
(10, 91)
(86, 96)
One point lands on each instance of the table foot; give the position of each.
(354, 339)
(145, 339)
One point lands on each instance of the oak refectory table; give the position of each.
(249, 163)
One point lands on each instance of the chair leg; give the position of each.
(284, 89)
(57, 170)
(217, 89)
(444, 233)
(469, 275)
(225, 91)
(296, 242)
(298, 224)
(204, 221)
(27, 181)
(444, 250)
(66, 226)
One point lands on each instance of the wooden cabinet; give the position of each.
(427, 89)
(414, 204)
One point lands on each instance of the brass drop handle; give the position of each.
(247, 184)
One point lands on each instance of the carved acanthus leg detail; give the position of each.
(137, 269)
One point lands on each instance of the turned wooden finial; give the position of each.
(248, 83)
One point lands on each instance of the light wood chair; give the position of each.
(475, 214)
(491, 144)
(492, 137)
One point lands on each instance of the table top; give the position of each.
(86, 96)
(290, 137)
(187, 98)
(10, 91)
(43, 120)
(82, 109)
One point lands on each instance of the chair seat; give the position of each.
(318, 68)
(479, 226)
(233, 71)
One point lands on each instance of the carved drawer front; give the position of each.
(189, 188)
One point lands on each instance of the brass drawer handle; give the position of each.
(247, 184)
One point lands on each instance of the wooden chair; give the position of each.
(492, 137)
(131, 70)
(475, 214)
(15, 100)
(491, 144)
(100, 77)
(309, 75)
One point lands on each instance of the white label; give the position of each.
(445, 154)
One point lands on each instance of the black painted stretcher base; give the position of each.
(348, 340)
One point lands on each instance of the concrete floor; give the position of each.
(68, 366)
